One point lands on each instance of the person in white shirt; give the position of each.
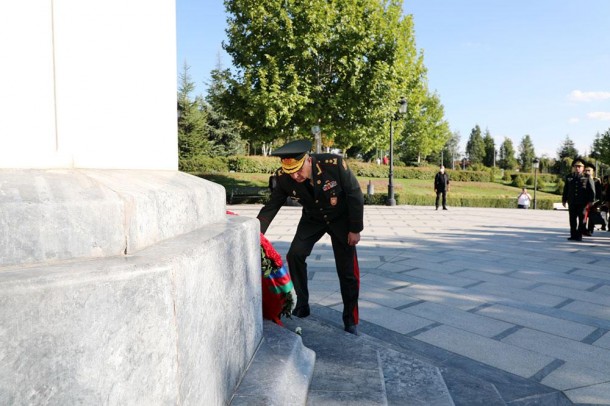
(524, 199)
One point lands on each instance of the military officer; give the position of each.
(578, 193)
(333, 204)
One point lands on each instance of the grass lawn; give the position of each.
(401, 186)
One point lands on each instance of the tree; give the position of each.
(449, 153)
(489, 159)
(526, 153)
(507, 155)
(191, 120)
(601, 147)
(475, 147)
(567, 149)
(222, 132)
(342, 65)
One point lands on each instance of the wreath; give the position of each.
(279, 298)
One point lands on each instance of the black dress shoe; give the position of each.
(301, 312)
(351, 329)
(575, 239)
(444, 208)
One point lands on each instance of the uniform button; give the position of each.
(325, 216)
(317, 201)
(321, 209)
(328, 222)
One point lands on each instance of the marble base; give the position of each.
(175, 322)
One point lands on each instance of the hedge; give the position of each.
(455, 201)
(262, 164)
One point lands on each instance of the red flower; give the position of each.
(270, 252)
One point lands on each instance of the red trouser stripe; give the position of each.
(357, 275)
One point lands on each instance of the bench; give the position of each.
(248, 194)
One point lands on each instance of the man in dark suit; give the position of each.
(441, 186)
(578, 193)
(332, 204)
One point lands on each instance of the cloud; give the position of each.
(574, 120)
(580, 96)
(599, 115)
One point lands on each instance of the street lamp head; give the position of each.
(536, 163)
(402, 108)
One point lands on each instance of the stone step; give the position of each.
(363, 370)
(280, 372)
(468, 382)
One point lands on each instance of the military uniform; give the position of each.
(332, 203)
(578, 192)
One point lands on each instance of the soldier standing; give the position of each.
(332, 204)
(578, 193)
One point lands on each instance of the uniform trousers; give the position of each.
(576, 212)
(346, 262)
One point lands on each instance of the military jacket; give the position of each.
(334, 199)
(578, 189)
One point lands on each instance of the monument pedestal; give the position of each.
(124, 287)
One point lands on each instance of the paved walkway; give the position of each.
(502, 287)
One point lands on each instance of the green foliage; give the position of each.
(517, 181)
(507, 155)
(567, 149)
(506, 177)
(202, 130)
(560, 186)
(541, 184)
(191, 121)
(490, 150)
(253, 164)
(204, 164)
(454, 201)
(526, 153)
(475, 147)
(601, 147)
(342, 65)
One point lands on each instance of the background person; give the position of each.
(593, 215)
(333, 204)
(524, 199)
(441, 186)
(578, 192)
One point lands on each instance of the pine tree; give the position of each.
(490, 150)
(475, 147)
(222, 132)
(507, 155)
(526, 153)
(191, 120)
(567, 149)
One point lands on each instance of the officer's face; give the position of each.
(304, 173)
(579, 168)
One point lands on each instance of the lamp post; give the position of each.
(535, 165)
(402, 109)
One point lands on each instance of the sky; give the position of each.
(514, 67)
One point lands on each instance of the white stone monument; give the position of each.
(122, 281)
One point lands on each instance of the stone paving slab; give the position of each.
(486, 267)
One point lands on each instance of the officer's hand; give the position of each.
(353, 238)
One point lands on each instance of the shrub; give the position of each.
(560, 185)
(204, 164)
(253, 164)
